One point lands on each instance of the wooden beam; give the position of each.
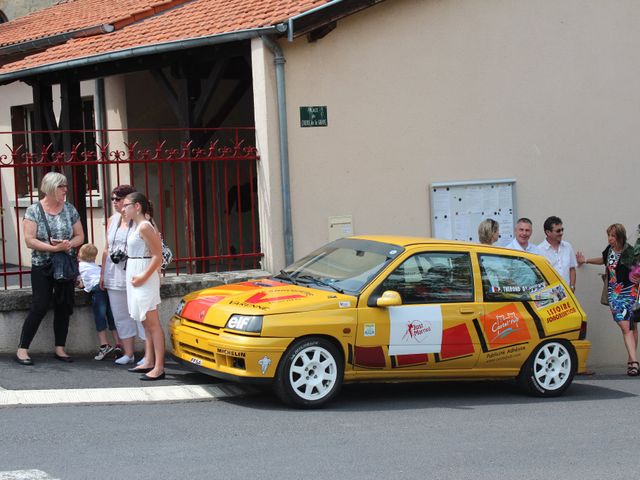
(71, 124)
(209, 87)
(170, 94)
(230, 102)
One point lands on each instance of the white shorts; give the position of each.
(126, 326)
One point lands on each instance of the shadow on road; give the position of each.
(428, 395)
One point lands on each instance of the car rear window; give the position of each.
(507, 278)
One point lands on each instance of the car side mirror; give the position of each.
(389, 298)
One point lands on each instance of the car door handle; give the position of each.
(467, 310)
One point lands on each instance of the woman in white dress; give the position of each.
(144, 252)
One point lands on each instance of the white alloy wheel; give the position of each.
(310, 373)
(549, 371)
(313, 373)
(552, 366)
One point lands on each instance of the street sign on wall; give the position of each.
(315, 116)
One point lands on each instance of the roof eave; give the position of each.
(332, 11)
(38, 44)
(139, 51)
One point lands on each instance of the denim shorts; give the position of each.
(101, 310)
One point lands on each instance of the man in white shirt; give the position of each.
(522, 233)
(559, 253)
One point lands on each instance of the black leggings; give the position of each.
(44, 287)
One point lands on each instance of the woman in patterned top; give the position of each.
(66, 236)
(621, 291)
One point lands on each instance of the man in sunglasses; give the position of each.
(559, 253)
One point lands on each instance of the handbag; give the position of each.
(64, 267)
(167, 255)
(604, 297)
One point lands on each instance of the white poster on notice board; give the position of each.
(457, 208)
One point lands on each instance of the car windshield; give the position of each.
(345, 265)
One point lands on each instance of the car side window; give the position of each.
(506, 278)
(436, 277)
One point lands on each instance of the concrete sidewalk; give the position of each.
(87, 381)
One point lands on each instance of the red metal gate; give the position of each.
(202, 183)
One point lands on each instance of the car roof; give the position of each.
(408, 241)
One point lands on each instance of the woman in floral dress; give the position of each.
(621, 291)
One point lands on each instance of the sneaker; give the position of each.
(125, 360)
(117, 351)
(103, 352)
(141, 361)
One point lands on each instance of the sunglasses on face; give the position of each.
(115, 199)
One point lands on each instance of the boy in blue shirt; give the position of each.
(90, 279)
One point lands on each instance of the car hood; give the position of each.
(213, 306)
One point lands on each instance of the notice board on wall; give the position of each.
(457, 208)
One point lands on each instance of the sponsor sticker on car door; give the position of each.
(415, 329)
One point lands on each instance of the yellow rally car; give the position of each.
(388, 308)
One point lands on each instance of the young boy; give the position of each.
(90, 277)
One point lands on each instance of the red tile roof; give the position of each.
(139, 23)
(72, 15)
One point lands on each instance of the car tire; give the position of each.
(310, 373)
(549, 370)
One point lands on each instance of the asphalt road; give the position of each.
(373, 431)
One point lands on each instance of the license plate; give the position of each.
(196, 361)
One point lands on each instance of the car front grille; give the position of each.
(202, 327)
(198, 352)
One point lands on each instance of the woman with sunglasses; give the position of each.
(113, 278)
(144, 249)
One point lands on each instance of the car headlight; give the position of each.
(180, 307)
(245, 323)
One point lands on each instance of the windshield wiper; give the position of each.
(287, 276)
(320, 282)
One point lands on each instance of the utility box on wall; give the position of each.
(340, 227)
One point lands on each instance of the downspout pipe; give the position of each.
(279, 61)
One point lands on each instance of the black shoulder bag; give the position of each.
(63, 265)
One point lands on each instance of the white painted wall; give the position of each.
(422, 91)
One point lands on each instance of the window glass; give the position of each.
(22, 126)
(343, 265)
(438, 277)
(509, 278)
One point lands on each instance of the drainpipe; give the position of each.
(279, 62)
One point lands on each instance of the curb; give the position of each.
(98, 396)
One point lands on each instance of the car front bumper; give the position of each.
(216, 352)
